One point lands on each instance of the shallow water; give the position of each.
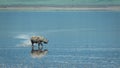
(16, 57)
(64, 55)
(78, 40)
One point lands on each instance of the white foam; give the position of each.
(24, 40)
(25, 43)
(22, 36)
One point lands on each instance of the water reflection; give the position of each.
(38, 53)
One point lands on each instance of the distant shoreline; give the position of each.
(60, 7)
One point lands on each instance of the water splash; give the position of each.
(25, 43)
(24, 40)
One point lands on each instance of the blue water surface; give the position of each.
(82, 39)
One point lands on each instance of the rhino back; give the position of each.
(36, 39)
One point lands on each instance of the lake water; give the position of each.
(85, 39)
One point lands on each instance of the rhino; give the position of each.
(39, 40)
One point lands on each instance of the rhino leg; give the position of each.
(32, 43)
(40, 46)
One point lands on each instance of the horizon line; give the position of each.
(61, 8)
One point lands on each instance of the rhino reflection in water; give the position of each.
(38, 53)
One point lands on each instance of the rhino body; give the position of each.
(39, 40)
